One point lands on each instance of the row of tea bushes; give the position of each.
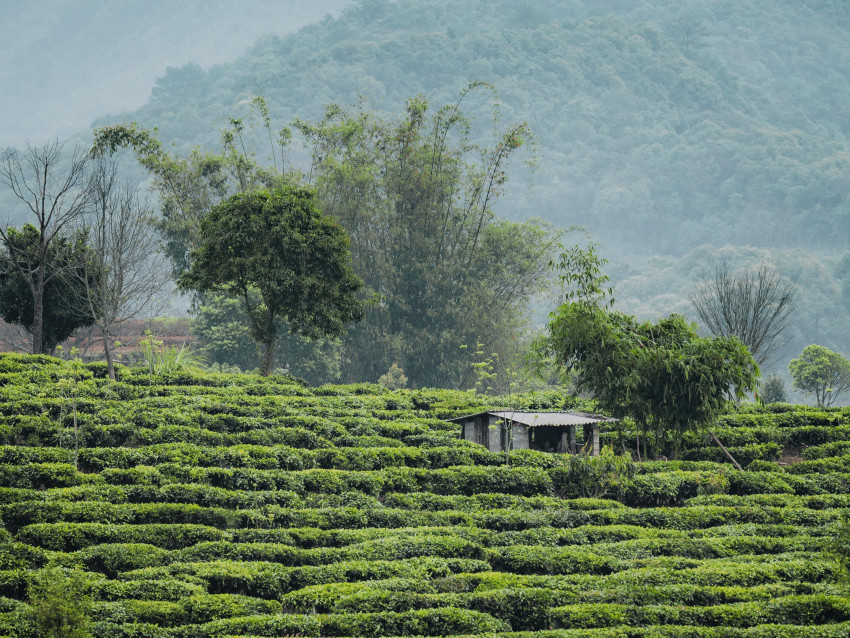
(216, 505)
(175, 481)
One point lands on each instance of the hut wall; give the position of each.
(495, 434)
(520, 437)
(475, 430)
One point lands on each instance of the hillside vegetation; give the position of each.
(235, 505)
(688, 125)
(667, 130)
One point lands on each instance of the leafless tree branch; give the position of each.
(757, 307)
(132, 272)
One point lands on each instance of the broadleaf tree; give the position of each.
(276, 252)
(821, 372)
(52, 186)
(663, 375)
(188, 186)
(67, 268)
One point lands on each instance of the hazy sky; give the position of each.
(64, 63)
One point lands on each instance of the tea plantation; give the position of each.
(208, 505)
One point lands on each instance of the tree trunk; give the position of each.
(725, 451)
(266, 364)
(107, 352)
(38, 321)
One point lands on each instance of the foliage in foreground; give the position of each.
(60, 605)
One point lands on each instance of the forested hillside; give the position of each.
(677, 134)
(689, 125)
(661, 127)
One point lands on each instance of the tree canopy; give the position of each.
(70, 268)
(706, 131)
(757, 307)
(663, 375)
(416, 195)
(821, 372)
(277, 253)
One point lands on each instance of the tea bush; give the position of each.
(212, 504)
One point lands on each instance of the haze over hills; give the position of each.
(669, 130)
(66, 62)
(708, 123)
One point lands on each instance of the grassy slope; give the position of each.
(210, 505)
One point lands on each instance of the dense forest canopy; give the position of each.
(696, 119)
(665, 128)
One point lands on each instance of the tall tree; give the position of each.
(52, 185)
(277, 253)
(124, 255)
(416, 196)
(69, 269)
(757, 307)
(189, 186)
(821, 372)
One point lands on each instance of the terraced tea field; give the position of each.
(215, 505)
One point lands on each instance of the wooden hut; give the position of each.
(544, 431)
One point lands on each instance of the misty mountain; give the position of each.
(679, 125)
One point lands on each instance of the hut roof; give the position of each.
(533, 419)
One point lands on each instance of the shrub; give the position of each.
(841, 546)
(673, 488)
(758, 483)
(114, 558)
(74, 536)
(594, 476)
(205, 608)
(60, 604)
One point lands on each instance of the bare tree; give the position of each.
(53, 188)
(756, 307)
(125, 248)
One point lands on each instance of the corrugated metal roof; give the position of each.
(532, 419)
